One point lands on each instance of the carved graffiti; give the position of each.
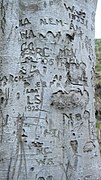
(23, 22)
(73, 99)
(76, 73)
(74, 14)
(89, 146)
(44, 175)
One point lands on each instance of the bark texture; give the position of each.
(47, 117)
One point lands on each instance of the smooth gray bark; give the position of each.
(47, 116)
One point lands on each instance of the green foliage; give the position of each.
(98, 55)
(98, 126)
(98, 48)
(98, 68)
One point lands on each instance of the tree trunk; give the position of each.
(47, 117)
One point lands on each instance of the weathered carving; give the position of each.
(44, 175)
(3, 16)
(72, 99)
(76, 73)
(89, 146)
(24, 22)
(27, 34)
(74, 145)
(74, 14)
